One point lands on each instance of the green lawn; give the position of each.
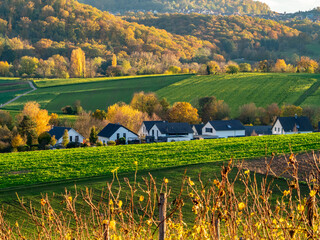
(93, 94)
(28, 168)
(236, 90)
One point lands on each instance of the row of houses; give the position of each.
(162, 131)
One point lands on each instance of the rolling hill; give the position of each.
(45, 28)
(235, 90)
(217, 6)
(251, 38)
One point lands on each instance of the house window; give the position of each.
(77, 138)
(125, 135)
(152, 132)
(70, 138)
(209, 130)
(118, 135)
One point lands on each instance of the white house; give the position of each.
(291, 125)
(145, 128)
(113, 132)
(58, 132)
(197, 129)
(223, 129)
(170, 132)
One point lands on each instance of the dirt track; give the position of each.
(280, 165)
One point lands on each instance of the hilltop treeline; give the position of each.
(45, 28)
(234, 36)
(218, 6)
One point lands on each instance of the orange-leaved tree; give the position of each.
(184, 112)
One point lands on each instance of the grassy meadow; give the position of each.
(26, 168)
(236, 90)
(93, 93)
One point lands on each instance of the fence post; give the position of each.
(162, 215)
(217, 226)
(106, 230)
(310, 214)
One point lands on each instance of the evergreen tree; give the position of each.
(93, 135)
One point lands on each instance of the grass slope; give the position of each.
(11, 87)
(236, 90)
(209, 171)
(93, 93)
(26, 168)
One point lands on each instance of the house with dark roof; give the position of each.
(197, 129)
(170, 132)
(58, 132)
(223, 129)
(145, 128)
(258, 130)
(113, 132)
(291, 125)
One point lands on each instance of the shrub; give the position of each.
(111, 143)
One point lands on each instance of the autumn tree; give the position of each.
(17, 141)
(232, 69)
(307, 65)
(280, 66)
(65, 138)
(6, 119)
(114, 61)
(28, 65)
(145, 102)
(85, 121)
(78, 63)
(183, 112)
(212, 109)
(245, 67)
(273, 112)
(127, 116)
(248, 113)
(212, 67)
(4, 69)
(26, 126)
(39, 116)
(291, 110)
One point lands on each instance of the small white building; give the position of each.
(292, 125)
(223, 129)
(113, 132)
(58, 132)
(145, 128)
(170, 132)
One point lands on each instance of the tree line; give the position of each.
(29, 130)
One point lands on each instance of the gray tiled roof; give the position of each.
(227, 125)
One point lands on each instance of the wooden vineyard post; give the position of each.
(217, 226)
(106, 230)
(162, 215)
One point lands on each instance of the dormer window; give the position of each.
(228, 126)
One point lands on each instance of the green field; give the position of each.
(46, 166)
(10, 88)
(93, 94)
(236, 90)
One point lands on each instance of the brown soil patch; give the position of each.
(281, 166)
(13, 90)
(12, 84)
